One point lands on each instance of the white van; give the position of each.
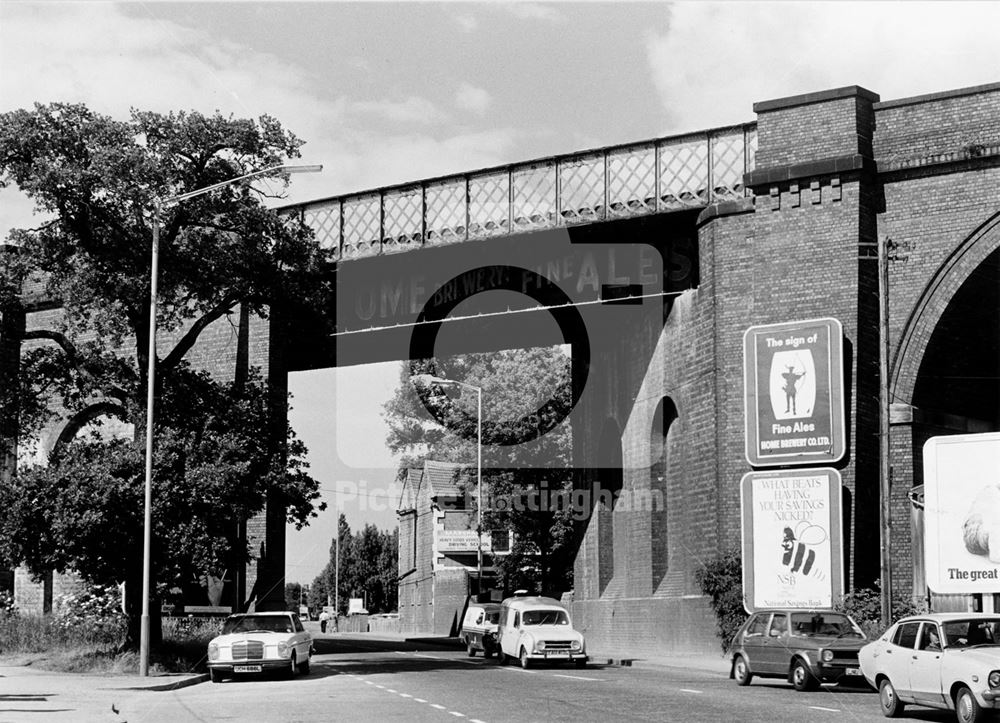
(536, 630)
(479, 628)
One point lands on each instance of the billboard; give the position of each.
(962, 513)
(794, 390)
(792, 539)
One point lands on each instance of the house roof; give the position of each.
(441, 479)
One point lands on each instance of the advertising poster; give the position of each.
(793, 379)
(792, 539)
(962, 513)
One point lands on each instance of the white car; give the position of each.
(538, 630)
(258, 642)
(941, 660)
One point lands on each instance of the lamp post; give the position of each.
(158, 206)
(430, 379)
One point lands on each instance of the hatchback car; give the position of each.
(949, 661)
(538, 630)
(805, 647)
(258, 642)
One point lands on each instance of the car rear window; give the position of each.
(835, 624)
(906, 635)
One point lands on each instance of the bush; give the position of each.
(92, 615)
(722, 580)
(865, 606)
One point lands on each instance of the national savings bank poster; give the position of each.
(792, 539)
(962, 513)
(793, 379)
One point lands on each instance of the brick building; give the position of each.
(437, 549)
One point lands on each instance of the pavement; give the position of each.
(25, 675)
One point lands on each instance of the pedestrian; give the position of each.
(324, 617)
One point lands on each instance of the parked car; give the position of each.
(941, 660)
(538, 630)
(258, 642)
(805, 647)
(479, 628)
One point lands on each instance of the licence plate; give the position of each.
(558, 654)
(247, 668)
(852, 671)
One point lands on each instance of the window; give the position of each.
(297, 625)
(517, 619)
(545, 617)
(757, 625)
(906, 635)
(779, 624)
(929, 638)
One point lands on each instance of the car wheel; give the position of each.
(967, 708)
(802, 678)
(889, 702)
(293, 667)
(525, 661)
(470, 649)
(215, 675)
(741, 671)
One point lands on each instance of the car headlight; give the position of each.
(213, 651)
(994, 679)
(283, 650)
(827, 656)
(576, 645)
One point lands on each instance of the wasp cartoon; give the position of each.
(799, 555)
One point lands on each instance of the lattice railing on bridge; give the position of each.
(663, 175)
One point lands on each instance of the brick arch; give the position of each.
(64, 435)
(933, 303)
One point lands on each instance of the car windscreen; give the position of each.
(974, 631)
(545, 617)
(493, 617)
(834, 624)
(270, 623)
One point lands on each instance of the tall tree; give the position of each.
(96, 180)
(367, 569)
(526, 460)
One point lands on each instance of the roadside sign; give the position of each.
(962, 513)
(792, 539)
(794, 393)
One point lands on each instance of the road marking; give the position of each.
(475, 720)
(382, 687)
(435, 705)
(457, 714)
(420, 700)
(368, 682)
(519, 670)
(577, 677)
(405, 695)
(819, 707)
(390, 690)
(688, 690)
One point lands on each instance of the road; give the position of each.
(379, 680)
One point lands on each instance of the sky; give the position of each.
(385, 93)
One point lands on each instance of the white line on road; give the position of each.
(688, 690)
(819, 707)
(390, 690)
(435, 705)
(475, 720)
(420, 700)
(380, 686)
(577, 677)
(405, 695)
(457, 714)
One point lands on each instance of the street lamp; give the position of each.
(159, 205)
(430, 379)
